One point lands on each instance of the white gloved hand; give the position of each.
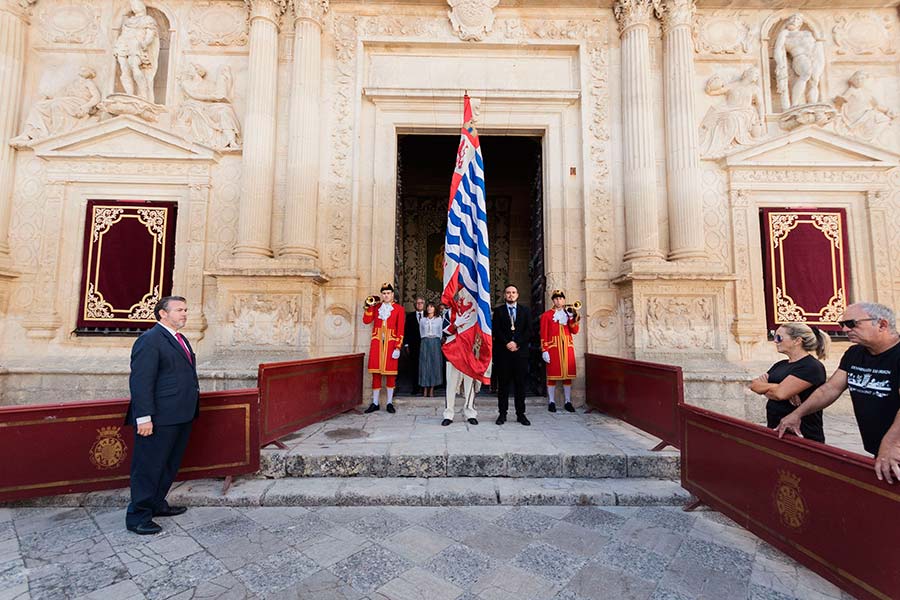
(546, 357)
(395, 354)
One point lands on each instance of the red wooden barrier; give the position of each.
(298, 393)
(820, 505)
(83, 446)
(643, 394)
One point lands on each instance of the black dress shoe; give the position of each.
(148, 528)
(390, 408)
(552, 407)
(569, 407)
(473, 421)
(523, 420)
(501, 420)
(172, 511)
(446, 422)
(372, 408)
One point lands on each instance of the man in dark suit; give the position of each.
(511, 323)
(412, 341)
(165, 400)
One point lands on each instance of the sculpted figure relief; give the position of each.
(137, 51)
(65, 110)
(739, 120)
(861, 114)
(798, 52)
(206, 115)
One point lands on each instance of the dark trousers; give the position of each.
(513, 371)
(154, 465)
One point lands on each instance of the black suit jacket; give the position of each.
(503, 332)
(411, 335)
(163, 381)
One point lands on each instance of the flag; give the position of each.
(467, 281)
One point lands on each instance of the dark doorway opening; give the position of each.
(513, 180)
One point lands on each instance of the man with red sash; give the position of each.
(558, 325)
(388, 321)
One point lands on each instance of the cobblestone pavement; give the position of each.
(397, 553)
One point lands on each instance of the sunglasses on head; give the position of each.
(852, 323)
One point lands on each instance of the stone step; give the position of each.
(400, 491)
(372, 460)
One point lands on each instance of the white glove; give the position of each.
(546, 357)
(395, 354)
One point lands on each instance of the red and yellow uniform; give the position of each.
(556, 340)
(387, 336)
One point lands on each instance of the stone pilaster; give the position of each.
(13, 29)
(258, 170)
(641, 207)
(682, 143)
(299, 236)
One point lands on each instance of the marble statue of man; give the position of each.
(137, 52)
(206, 115)
(739, 120)
(64, 110)
(807, 63)
(860, 112)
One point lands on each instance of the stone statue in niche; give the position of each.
(73, 105)
(798, 52)
(739, 121)
(861, 115)
(137, 52)
(206, 115)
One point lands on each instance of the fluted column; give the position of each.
(13, 27)
(682, 144)
(258, 169)
(302, 203)
(641, 212)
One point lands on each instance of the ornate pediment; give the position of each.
(123, 137)
(813, 147)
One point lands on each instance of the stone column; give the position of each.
(682, 144)
(13, 28)
(302, 206)
(641, 207)
(258, 169)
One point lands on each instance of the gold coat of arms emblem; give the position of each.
(788, 499)
(109, 449)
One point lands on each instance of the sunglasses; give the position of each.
(852, 323)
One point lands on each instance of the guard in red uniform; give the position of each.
(558, 325)
(388, 321)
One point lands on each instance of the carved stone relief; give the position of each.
(865, 34)
(715, 213)
(338, 322)
(680, 322)
(219, 24)
(799, 64)
(206, 115)
(861, 114)
(721, 34)
(265, 319)
(633, 12)
(69, 23)
(736, 122)
(553, 29)
(472, 20)
(73, 106)
(626, 310)
(601, 211)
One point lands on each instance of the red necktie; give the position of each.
(184, 347)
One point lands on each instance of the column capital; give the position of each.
(633, 13)
(674, 13)
(20, 8)
(269, 10)
(309, 10)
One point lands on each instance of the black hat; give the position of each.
(387, 287)
(557, 294)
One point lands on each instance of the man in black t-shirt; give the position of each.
(871, 369)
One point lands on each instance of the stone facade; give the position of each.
(274, 124)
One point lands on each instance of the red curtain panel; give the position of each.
(806, 267)
(127, 262)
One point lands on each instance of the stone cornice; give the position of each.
(633, 13)
(674, 13)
